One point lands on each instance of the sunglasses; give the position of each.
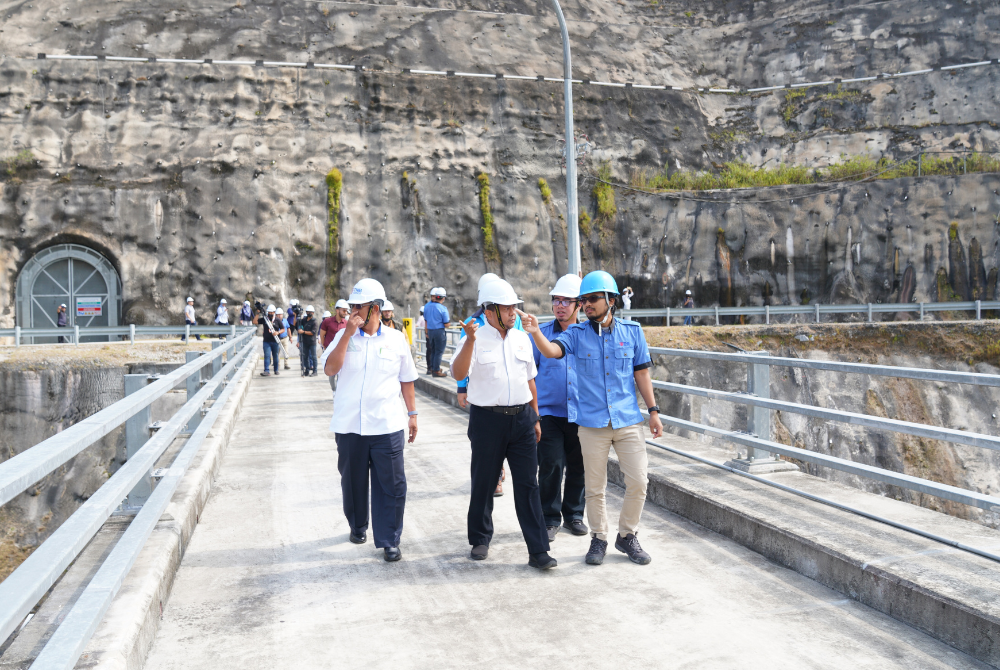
(562, 303)
(591, 298)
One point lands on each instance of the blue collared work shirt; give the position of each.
(480, 319)
(603, 370)
(436, 315)
(553, 378)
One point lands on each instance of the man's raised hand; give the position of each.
(470, 329)
(528, 322)
(354, 323)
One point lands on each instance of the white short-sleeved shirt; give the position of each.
(368, 388)
(501, 367)
(189, 312)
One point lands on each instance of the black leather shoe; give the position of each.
(542, 561)
(392, 554)
(576, 527)
(598, 548)
(630, 545)
(359, 538)
(552, 532)
(479, 552)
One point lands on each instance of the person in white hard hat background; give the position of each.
(329, 328)
(503, 422)
(272, 331)
(62, 320)
(246, 314)
(627, 294)
(375, 368)
(436, 316)
(559, 448)
(688, 303)
(307, 341)
(480, 320)
(387, 314)
(222, 316)
(189, 318)
(421, 321)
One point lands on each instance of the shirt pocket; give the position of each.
(388, 361)
(586, 363)
(488, 359)
(354, 360)
(624, 356)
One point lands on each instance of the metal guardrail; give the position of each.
(816, 310)
(145, 444)
(131, 332)
(451, 343)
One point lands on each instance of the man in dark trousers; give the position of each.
(273, 329)
(61, 321)
(559, 448)
(376, 368)
(503, 421)
(307, 341)
(436, 315)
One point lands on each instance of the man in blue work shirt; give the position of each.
(436, 315)
(559, 448)
(608, 359)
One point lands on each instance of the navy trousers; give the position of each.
(559, 451)
(495, 437)
(379, 457)
(436, 342)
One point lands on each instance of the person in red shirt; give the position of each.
(329, 328)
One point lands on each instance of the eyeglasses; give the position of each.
(562, 303)
(591, 298)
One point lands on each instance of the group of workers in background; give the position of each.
(552, 400)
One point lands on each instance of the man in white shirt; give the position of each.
(375, 367)
(503, 421)
(189, 318)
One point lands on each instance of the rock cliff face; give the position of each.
(211, 180)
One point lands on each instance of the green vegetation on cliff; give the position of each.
(13, 166)
(543, 187)
(334, 182)
(490, 251)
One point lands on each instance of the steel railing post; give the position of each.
(717, 315)
(137, 434)
(17, 336)
(187, 332)
(921, 311)
(131, 333)
(767, 315)
(193, 385)
(668, 317)
(979, 309)
(232, 331)
(76, 335)
(216, 366)
(759, 418)
(817, 312)
(869, 312)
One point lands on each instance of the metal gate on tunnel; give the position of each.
(73, 275)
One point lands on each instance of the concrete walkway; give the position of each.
(271, 581)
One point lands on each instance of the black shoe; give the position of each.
(576, 527)
(630, 545)
(542, 561)
(265, 373)
(276, 371)
(392, 554)
(552, 531)
(359, 538)
(479, 552)
(598, 548)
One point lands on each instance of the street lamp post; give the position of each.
(572, 216)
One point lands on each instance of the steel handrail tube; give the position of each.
(24, 587)
(866, 420)
(31, 465)
(973, 378)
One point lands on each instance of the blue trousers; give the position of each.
(270, 351)
(436, 341)
(380, 459)
(307, 353)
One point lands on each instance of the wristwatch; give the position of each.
(654, 408)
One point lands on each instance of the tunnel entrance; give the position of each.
(73, 275)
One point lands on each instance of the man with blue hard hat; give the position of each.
(607, 359)
(436, 315)
(375, 368)
(559, 448)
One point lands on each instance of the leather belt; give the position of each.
(509, 410)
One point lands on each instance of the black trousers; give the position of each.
(381, 458)
(495, 437)
(558, 451)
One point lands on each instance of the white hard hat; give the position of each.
(222, 302)
(438, 291)
(326, 313)
(498, 292)
(341, 304)
(366, 290)
(190, 299)
(387, 306)
(309, 308)
(246, 303)
(567, 286)
(63, 305)
(485, 279)
(688, 292)
(270, 308)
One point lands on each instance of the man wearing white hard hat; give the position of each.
(559, 448)
(387, 314)
(222, 316)
(329, 328)
(503, 421)
(189, 318)
(688, 304)
(375, 368)
(273, 329)
(307, 341)
(436, 316)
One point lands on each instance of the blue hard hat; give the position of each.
(598, 281)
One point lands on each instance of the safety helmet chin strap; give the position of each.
(368, 316)
(496, 310)
(609, 315)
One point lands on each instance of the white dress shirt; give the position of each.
(501, 367)
(368, 398)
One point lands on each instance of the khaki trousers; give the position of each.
(630, 446)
